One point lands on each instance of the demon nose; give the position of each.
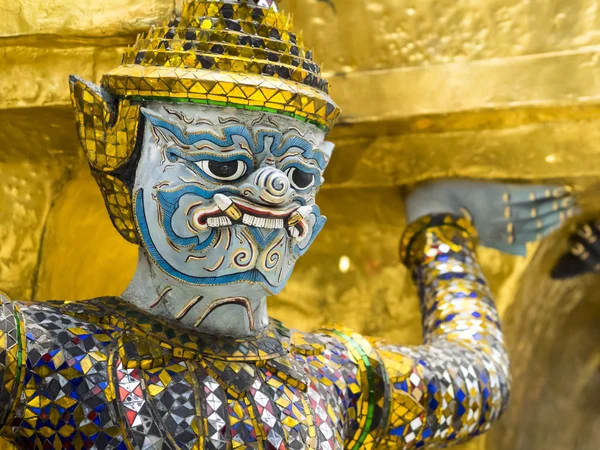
(273, 185)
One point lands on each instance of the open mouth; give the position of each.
(228, 213)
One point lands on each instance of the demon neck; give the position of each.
(236, 310)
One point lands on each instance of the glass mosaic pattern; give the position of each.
(118, 203)
(107, 136)
(102, 374)
(457, 384)
(238, 54)
(108, 139)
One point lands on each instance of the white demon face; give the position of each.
(224, 196)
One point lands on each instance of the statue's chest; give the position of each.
(223, 405)
(158, 387)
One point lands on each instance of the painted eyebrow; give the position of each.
(192, 138)
(299, 158)
(158, 120)
(308, 151)
(278, 148)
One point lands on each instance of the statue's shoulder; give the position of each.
(327, 364)
(40, 327)
(40, 340)
(47, 347)
(7, 314)
(349, 351)
(11, 338)
(12, 344)
(323, 349)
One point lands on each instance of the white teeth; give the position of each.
(252, 221)
(221, 221)
(248, 220)
(262, 222)
(294, 232)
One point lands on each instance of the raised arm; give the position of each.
(457, 384)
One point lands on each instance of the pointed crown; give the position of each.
(241, 54)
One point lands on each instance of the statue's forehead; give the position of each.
(193, 115)
(225, 127)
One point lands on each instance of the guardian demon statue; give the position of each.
(208, 145)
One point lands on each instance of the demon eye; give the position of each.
(223, 170)
(300, 179)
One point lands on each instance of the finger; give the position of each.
(587, 233)
(584, 254)
(534, 210)
(530, 237)
(554, 218)
(517, 194)
(587, 237)
(521, 215)
(513, 237)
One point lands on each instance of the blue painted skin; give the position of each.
(252, 276)
(181, 187)
(507, 216)
(279, 147)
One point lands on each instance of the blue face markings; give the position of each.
(169, 203)
(253, 276)
(272, 138)
(172, 197)
(307, 150)
(224, 160)
(190, 160)
(256, 143)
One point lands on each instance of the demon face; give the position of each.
(225, 196)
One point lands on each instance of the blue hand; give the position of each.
(507, 216)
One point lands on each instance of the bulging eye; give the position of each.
(299, 178)
(223, 170)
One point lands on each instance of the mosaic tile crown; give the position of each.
(239, 54)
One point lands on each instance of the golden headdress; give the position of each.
(228, 53)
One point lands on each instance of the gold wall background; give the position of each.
(503, 89)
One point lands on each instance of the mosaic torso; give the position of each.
(103, 374)
(94, 378)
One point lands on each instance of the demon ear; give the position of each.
(107, 128)
(108, 131)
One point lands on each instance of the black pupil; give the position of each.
(302, 179)
(225, 169)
